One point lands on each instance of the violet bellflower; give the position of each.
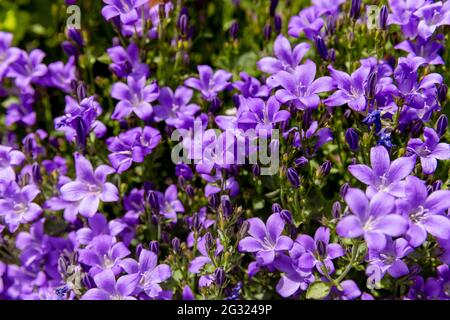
(424, 211)
(132, 146)
(251, 87)
(147, 272)
(9, 158)
(197, 264)
(429, 150)
(110, 289)
(90, 187)
(28, 69)
(265, 239)
(169, 203)
(7, 54)
(127, 10)
(384, 176)
(438, 287)
(300, 88)
(16, 204)
(426, 49)
(134, 97)
(433, 15)
(374, 220)
(319, 252)
(126, 62)
(308, 21)
(61, 75)
(209, 83)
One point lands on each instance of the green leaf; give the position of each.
(318, 290)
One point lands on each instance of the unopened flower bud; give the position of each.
(286, 216)
(176, 245)
(441, 125)
(154, 201)
(355, 9)
(226, 206)
(321, 48)
(267, 31)
(36, 172)
(243, 230)
(352, 138)
(336, 210)
(214, 201)
(293, 177)
(219, 276)
(442, 93)
(278, 23)
(276, 208)
(321, 248)
(234, 29)
(75, 35)
(325, 168)
(209, 241)
(371, 84)
(256, 170)
(190, 191)
(382, 19)
(273, 7)
(154, 247)
(301, 162)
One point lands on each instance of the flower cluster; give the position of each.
(346, 103)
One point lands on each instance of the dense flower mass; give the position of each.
(301, 154)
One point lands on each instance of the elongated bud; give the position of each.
(183, 24)
(336, 210)
(214, 201)
(442, 93)
(273, 7)
(36, 172)
(154, 247)
(286, 216)
(437, 185)
(195, 223)
(234, 29)
(441, 125)
(276, 208)
(88, 281)
(256, 170)
(63, 264)
(81, 91)
(301, 162)
(190, 191)
(81, 133)
(153, 201)
(355, 9)
(416, 127)
(215, 105)
(226, 206)
(267, 31)
(352, 138)
(209, 241)
(321, 248)
(243, 230)
(382, 19)
(69, 48)
(371, 84)
(219, 276)
(321, 48)
(343, 190)
(176, 245)
(293, 177)
(277, 23)
(75, 35)
(325, 168)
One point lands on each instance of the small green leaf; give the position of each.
(318, 290)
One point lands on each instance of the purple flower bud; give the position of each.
(256, 170)
(429, 189)
(286, 216)
(273, 7)
(88, 281)
(154, 247)
(234, 29)
(214, 201)
(182, 182)
(293, 177)
(139, 248)
(75, 35)
(325, 168)
(321, 248)
(209, 242)
(81, 133)
(153, 200)
(276, 208)
(236, 100)
(371, 84)
(184, 170)
(190, 191)
(81, 91)
(355, 9)
(321, 48)
(36, 172)
(437, 185)
(195, 223)
(215, 105)
(176, 245)
(63, 264)
(442, 93)
(336, 210)
(69, 48)
(278, 23)
(219, 276)
(183, 24)
(382, 19)
(441, 125)
(267, 31)
(352, 138)
(226, 206)
(416, 127)
(301, 162)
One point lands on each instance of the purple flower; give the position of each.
(384, 176)
(196, 265)
(135, 97)
(351, 89)
(300, 88)
(16, 204)
(125, 9)
(426, 49)
(424, 211)
(28, 69)
(9, 158)
(433, 15)
(7, 54)
(285, 58)
(126, 62)
(265, 239)
(390, 258)
(169, 203)
(308, 21)
(109, 289)
(251, 87)
(89, 187)
(294, 278)
(174, 107)
(374, 220)
(319, 253)
(132, 146)
(437, 288)
(104, 253)
(147, 272)
(209, 84)
(429, 150)
(61, 75)
(21, 112)
(402, 15)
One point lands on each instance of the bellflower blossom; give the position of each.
(265, 239)
(424, 211)
(307, 21)
(28, 69)
(135, 97)
(7, 54)
(426, 49)
(433, 15)
(9, 158)
(127, 10)
(89, 187)
(374, 220)
(196, 264)
(384, 176)
(300, 88)
(429, 150)
(110, 289)
(209, 83)
(126, 62)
